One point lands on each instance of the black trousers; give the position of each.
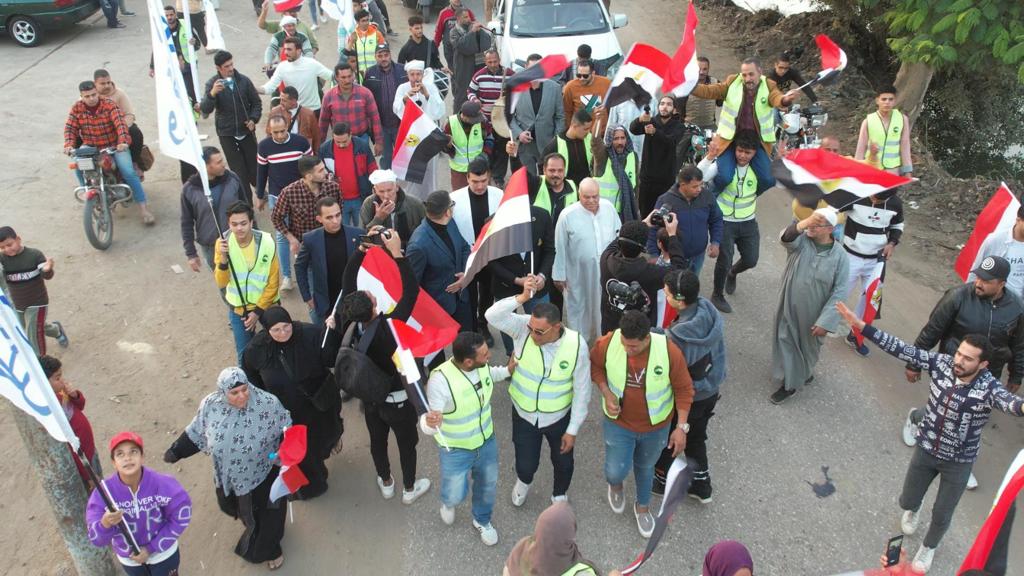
(400, 418)
(198, 22)
(499, 159)
(263, 520)
(742, 236)
(241, 157)
(701, 412)
(528, 440)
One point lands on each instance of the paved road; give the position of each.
(764, 458)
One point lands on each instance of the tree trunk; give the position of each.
(912, 82)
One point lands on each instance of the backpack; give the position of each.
(356, 373)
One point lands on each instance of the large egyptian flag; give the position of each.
(996, 218)
(677, 482)
(813, 173)
(548, 67)
(509, 231)
(682, 73)
(284, 5)
(418, 140)
(833, 59)
(640, 76)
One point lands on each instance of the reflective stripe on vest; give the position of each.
(252, 280)
(366, 50)
(562, 147)
(543, 199)
(888, 141)
(469, 425)
(762, 111)
(610, 184)
(657, 386)
(466, 148)
(539, 388)
(738, 201)
(580, 569)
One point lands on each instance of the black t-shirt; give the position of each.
(535, 97)
(336, 250)
(479, 206)
(25, 279)
(442, 231)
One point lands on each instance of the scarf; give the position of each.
(726, 558)
(239, 440)
(552, 548)
(628, 209)
(299, 357)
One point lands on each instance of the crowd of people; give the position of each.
(608, 301)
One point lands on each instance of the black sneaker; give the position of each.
(781, 395)
(658, 487)
(730, 283)
(719, 301)
(861, 349)
(700, 490)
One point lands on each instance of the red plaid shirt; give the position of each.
(359, 110)
(102, 127)
(298, 203)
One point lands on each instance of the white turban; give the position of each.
(382, 176)
(830, 214)
(414, 65)
(286, 20)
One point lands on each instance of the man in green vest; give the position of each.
(550, 388)
(577, 146)
(459, 407)
(246, 268)
(618, 181)
(738, 203)
(643, 379)
(468, 137)
(552, 192)
(185, 48)
(885, 134)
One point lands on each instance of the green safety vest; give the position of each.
(763, 111)
(580, 569)
(563, 148)
(183, 41)
(738, 201)
(539, 388)
(543, 199)
(366, 50)
(469, 425)
(466, 147)
(610, 184)
(657, 386)
(888, 142)
(251, 280)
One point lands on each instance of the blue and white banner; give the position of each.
(22, 380)
(214, 37)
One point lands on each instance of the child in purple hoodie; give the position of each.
(154, 505)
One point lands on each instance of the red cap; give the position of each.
(125, 437)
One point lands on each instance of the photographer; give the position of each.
(624, 263)
(700, 218)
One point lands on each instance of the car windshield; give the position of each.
(544, 18)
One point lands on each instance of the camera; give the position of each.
(627, 296)
(659, 216)
(375, 239)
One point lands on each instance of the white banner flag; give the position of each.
(214, 38)
(340, 10)
(22, 380)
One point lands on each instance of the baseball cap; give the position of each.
(471, 112)
(125, 436)
(993, 268)
(382, 48)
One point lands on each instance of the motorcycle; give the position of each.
(694, 143)
(801, 127)
(103, 190)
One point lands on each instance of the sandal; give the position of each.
(276, 563)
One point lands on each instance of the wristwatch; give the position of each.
(685, 427)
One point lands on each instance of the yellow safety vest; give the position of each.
(469, 425)
(657, 386)
(252, 280)
(580, 569)
(187, 53)
(888, 142)
(763, 111)
(539, 388)
(543, 199)
(563, 148)
(738, 201)
(366, 48)
(466, 147)
(610, 184)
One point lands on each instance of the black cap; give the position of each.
(993, 268)
(470, 111)
(382, 48)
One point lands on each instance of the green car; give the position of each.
(25, 20)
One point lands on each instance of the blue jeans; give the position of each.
(456, 468)
(109, 8)
(350, 212)
(238, 331)
(624, 448)
(761, 164)
(284, 253)
(528, 309)
(314, 14)
(123, 160)
(697, 262)
(165, 568)
(390, 134)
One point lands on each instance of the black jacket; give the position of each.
(658, 163)
(505, 270)
(234, 107)
(961, 312)
(650, 276)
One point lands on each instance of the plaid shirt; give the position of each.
(102, 127)
(359, 110)
(297, 204)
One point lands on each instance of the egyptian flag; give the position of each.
(872, 299)
(1013, 482)
(682, 73)
(509, 231)
(284, 5)
(813, 173)
(833, 59)
(996, 218)
(666, 313)
(291, 451)
(547, 67)
(379, 275)
(677, 482)
(419, 139)
(639, 77)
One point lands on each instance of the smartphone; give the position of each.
(892, 550)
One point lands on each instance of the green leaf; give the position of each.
(1014, 54)
(991, 11)
(1020, 74)
(947, 53)
(1001, 43)
(960, 6)
(944, 24)
(916, 20)
(965, 23)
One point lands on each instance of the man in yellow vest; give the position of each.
(885, 134)
(550, 388)
(364, 40)
(577, 146)
(468, 137)
(459, 406)
(246, 268)
(618, 181)
(749, 99)
(643, 379)
(551, 191)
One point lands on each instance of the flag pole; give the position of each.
(334, 310)
(108, 501)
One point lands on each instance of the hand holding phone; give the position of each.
(893, 550)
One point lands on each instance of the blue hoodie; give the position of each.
(698, 333)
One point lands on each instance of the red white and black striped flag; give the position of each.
(677, 482)
(418, 140)
(284, 5)
(813, 173)
(639, 77)
(547, 67)
(682, 73)
(509, 231)
(833, 59)
(1012, 485)
(996, 218)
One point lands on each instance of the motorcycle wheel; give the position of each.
(99, 223)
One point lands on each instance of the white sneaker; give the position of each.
(447, 515)
(923, 559)
(519, 492)
(617, 500)
(562, 498)
(388, 492)
(286, 283)
(314, 26)
(644, 522)
(908, 522)
(909, 428)
(419, 488)
(972, 482)
(488, 535)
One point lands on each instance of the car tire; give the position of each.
(25, 31)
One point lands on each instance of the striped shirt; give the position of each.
(485, 88)
(277, 165)
(869, 227)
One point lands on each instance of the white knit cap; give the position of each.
(830, 214)
(382, 176)
(414, 65)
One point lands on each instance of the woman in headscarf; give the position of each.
(551, 550)
(287, 361)
(239, 426)
(625, 164)
(728, 558)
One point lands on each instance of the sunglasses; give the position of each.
(583, 76)
(538, 331)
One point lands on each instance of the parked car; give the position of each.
(27, 20)
(556, 27)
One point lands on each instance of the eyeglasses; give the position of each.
(583, 76)
(538, 331)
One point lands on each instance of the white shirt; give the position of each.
(301, 74)
(439, 395)
(433, 107)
